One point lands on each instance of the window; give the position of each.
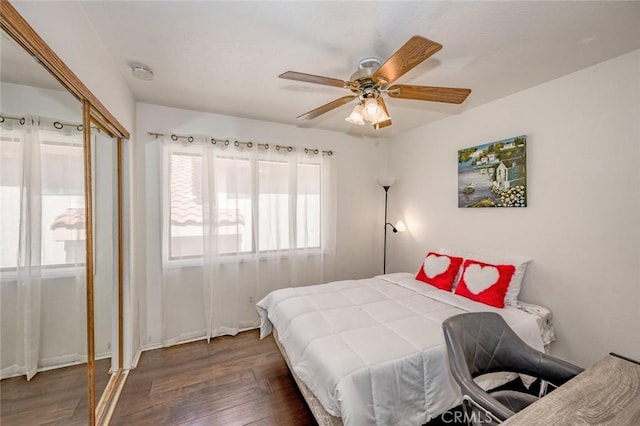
(254, 204)
(60, 167)
(273, 206)
(185, 205)
(308, 205)
(10, 176)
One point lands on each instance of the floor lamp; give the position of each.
(386, 184)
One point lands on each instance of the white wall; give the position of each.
(19, 100)
(359, 161)
(581, 224)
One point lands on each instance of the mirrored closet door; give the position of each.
(61, 252)
(107, 279)
(43, 333)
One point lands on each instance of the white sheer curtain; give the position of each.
(240, 222)
(28, 268)
(36, 161)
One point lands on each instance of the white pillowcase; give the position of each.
(520, 263)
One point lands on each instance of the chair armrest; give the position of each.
(530, 361)
(557, 371)
(485, 400)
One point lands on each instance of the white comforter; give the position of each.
(372, 350)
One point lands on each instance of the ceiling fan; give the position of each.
(373, 80)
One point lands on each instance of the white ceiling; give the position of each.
(225, 56)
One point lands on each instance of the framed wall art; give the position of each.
(493, 174)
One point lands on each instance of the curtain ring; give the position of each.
(249, 144)
(236, 143)
(2, 119)
(80, 127)
(266, 146)
(226, 143)
(277, 147)
(190, 139)
(174, 137)
(289, 148)
(58, 125)
(315, 151)
(329, 153)
(213, 141)
(22, 121)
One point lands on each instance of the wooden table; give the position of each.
(608, 393)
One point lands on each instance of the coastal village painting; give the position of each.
(493, 174)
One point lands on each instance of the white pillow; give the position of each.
(520, 263)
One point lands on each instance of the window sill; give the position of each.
(241, 258)
(10, 275)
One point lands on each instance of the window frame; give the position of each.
(255, 253)
(49, 270)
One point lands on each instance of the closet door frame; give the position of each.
(106, 404)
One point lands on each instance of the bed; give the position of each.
(371, 351)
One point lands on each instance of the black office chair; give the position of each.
(482, 342)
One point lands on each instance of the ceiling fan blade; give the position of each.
(327, 107)
(428, 93)
(387, 122)
(310, 78)
(413, 52)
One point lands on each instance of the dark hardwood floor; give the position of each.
(54, 397)
(239, 380)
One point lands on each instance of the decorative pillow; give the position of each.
(484, 282)
(439, 270)
(519, 262)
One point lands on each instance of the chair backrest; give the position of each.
(482, 342)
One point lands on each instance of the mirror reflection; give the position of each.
(105, 238)
(42, 251)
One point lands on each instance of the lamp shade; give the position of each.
(382, 117)
(356, 116)
(372, 108)
(401, 227)
(386, 181)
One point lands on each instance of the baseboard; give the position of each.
(136, 359)
(106, 411)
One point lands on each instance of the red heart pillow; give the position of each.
(439, 270)
(484, 282)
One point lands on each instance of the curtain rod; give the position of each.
(9, 117)
(248, 144)
(57, 124)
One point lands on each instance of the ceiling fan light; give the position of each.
(381, 118)
(371, 107)
(356, 116)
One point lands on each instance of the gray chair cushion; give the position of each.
(514, 400)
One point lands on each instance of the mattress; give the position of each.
(371, 351)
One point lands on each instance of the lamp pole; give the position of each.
(386, 184)
(384, 261)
